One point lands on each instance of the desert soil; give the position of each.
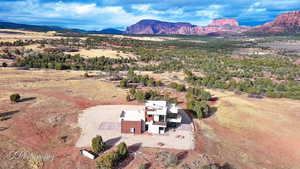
(102, 52)
(247, 133)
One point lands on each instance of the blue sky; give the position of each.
(99, 14)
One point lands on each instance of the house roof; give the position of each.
(133, 115)
(156, 104)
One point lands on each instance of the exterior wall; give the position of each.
(156, 117)
(127, 125)
(155, 129)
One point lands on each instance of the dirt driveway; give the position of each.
(104, 121)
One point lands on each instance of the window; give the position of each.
(132, 130)
(161, 118)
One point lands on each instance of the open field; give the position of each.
(101, 52)
(143, 38)
(45, 121)
(61, 110)
(9, 35)
(248, 133)
(93, 122)
(253, 133)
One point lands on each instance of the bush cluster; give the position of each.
(110, 160)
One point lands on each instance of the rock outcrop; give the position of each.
(284, 23)
(218, 26)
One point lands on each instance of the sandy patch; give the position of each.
(102, 52)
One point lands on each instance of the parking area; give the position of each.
(104, 121)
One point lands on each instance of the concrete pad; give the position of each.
(104, 121)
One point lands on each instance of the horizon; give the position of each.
(117, 14)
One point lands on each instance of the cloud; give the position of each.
(97, 14)
(256, 7)
(141, 7)
(88, 16)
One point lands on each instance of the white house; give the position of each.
(154, 118)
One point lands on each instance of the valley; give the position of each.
(239, 91)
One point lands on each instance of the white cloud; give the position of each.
(256, 7)
(141, 7)
(212, 12)
(86, 16)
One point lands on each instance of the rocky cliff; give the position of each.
(218, 26)
(284, 23)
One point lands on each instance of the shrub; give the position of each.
(128, 98)
(143, 166)
(86, 75)
(98, 144)
(180, 88)
(201, 109)
(173, 85)
(140, 96)
(15, 98)
(122, 151)
(108, 161)
(4, 64)
(171, 160)
(124, 83)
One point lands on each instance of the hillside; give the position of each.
(284, 23)
(218, 26)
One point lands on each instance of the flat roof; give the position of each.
(156, 104)
(132, 115)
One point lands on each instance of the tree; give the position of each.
(180, 88)
(108, 161)
(4, 64)
(201, 109)
(124, 83)
(122, 151)
(14, 98)
(98, 144)
(86, 75)
(140, 96)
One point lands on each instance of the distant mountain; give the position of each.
(288, 23)
(156, 27)
(9, 25)
(107, 31)
(217, 27)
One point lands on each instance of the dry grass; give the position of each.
(248, 132)
(144, 38)
(71, 82)
(25, 35)
(53, 101)
(101, 52)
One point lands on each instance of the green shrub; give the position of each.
(97, 144)
(180, 88)
(201, 109)
(15, 97)
(122, 151)
(143, 166)
(108, 161)
(124, 83)
(173, 85)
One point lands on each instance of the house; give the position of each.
(154, 118)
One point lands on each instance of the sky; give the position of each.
(100, 14)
